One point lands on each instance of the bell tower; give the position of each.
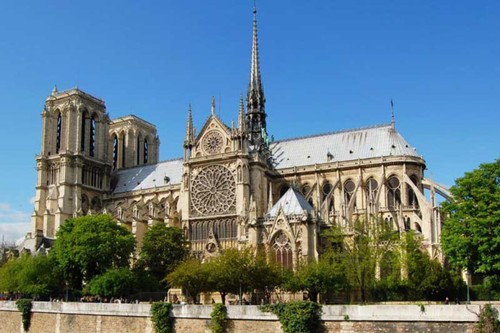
(73, 166)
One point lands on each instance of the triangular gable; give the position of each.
(291, 203)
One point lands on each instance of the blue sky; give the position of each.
(326, 65)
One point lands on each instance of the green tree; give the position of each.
(427, 279)
(115, 282)
(230, 272)
(28, 275)
(322, 276)
(88, 246)
(361, 250)
(471, 233)
(190, 275)
(162, 250)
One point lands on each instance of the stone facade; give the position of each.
(234, 187)
(101, 318)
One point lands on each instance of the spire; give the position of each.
(241, 115)
(213, 106)
(255, 80)
(189, 128)
(256, 115)
(393, 120)
(54, 91)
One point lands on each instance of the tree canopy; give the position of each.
(88, 246)
(162, 250)
(471, 232)
(34, 276)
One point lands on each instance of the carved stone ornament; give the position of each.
(212, 142)
(213, 191)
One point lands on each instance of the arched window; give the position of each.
(306, 189)
(349, 188)
(138, 150)
(326, 191)
(371, 190)
(92, 135)
(393, 192)
(115, 152)
(85, 204)
(59, 133)
(283, 251)
(146, 151)
(84, 120)
(123, 149)
(412, 197)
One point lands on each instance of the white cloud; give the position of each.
(14, 231)
(14, 224)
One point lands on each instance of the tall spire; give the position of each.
(256, 115)
(189, 128)
(213, 106)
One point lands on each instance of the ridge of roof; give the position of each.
(333, 132)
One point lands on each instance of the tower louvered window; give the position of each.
(59, 132)
(92, 136)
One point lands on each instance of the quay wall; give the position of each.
(48, 317)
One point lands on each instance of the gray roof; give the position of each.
(292, 203)
(147, 176)
(376, 141)
(368, 142)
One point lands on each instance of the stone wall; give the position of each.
(134, 318)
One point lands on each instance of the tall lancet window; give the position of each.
(115, 152)
(282, 249)
(123, 136)
(92, 136)
(138, 151)
(146, 151)
(393, 192)
(59, 132)
(82, 141)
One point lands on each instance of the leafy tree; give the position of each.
(34, 276)
(162, 250)
(361, 250)
(427, 278)
(116, 282)
(190, 275)
(88, 246)
(230, 272)
(471, 233)
(317, 277)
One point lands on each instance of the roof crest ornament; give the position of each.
(213, 106)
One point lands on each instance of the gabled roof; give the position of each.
(147, 176)
(368, 142)
(292, 203)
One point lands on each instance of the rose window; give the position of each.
(212, 143)
(213, 191)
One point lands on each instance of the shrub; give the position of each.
(218, 321)
(160, 316)
(24, 305)
(297, 316)
(488, 320)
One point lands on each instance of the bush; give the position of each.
(297, 316)
(488, 320)
(24, 305)
(160, 316)
(218, 321)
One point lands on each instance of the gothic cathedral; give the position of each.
(233, 187)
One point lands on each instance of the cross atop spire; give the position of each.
(256, 114)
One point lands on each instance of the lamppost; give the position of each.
(467, 280)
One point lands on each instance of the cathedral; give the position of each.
(233, 186)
